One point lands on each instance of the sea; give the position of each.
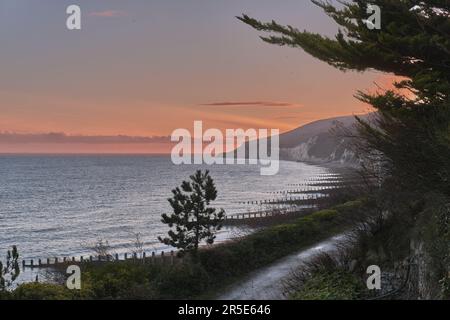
(61, 205)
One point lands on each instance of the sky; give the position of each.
(147, 67)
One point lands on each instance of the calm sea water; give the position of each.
(59, 205)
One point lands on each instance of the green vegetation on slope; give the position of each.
(326, 285)
(218, 265)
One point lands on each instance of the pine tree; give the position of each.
(410, 137)
(194, 220)
(410, 130)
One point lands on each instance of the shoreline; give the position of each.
(261, 250)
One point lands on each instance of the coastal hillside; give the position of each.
(317, 142)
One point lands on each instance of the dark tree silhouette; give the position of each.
(408, 140)
(193, 219)
(411, 129)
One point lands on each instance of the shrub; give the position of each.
(325, 285)
(42, 291)
(181, 281)
(119, 280)
(325, 215)
(219, 259)
(349, 205)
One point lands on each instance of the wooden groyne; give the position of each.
(261, 214)
(287, 197)
(144, 257)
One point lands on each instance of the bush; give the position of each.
(326, 285)
(220, 258)
(325, 215)
(42, 291)
(183, 281)
(119, 280)
(350, 205)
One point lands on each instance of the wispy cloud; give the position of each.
(8, 138)
(250, 104)
(108, 13)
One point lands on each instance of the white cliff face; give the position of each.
(319, 151)
(301, 152)
(348, 157)
(317, 142)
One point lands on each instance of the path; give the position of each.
(267, 283)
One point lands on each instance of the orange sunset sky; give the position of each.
(144, 68)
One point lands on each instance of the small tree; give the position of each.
(193, 219)
(10, 271)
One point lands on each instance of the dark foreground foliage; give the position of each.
(405, 145)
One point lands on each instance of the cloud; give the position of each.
(250, 104)
(288, 117)
(107, 13)
(22, 138)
